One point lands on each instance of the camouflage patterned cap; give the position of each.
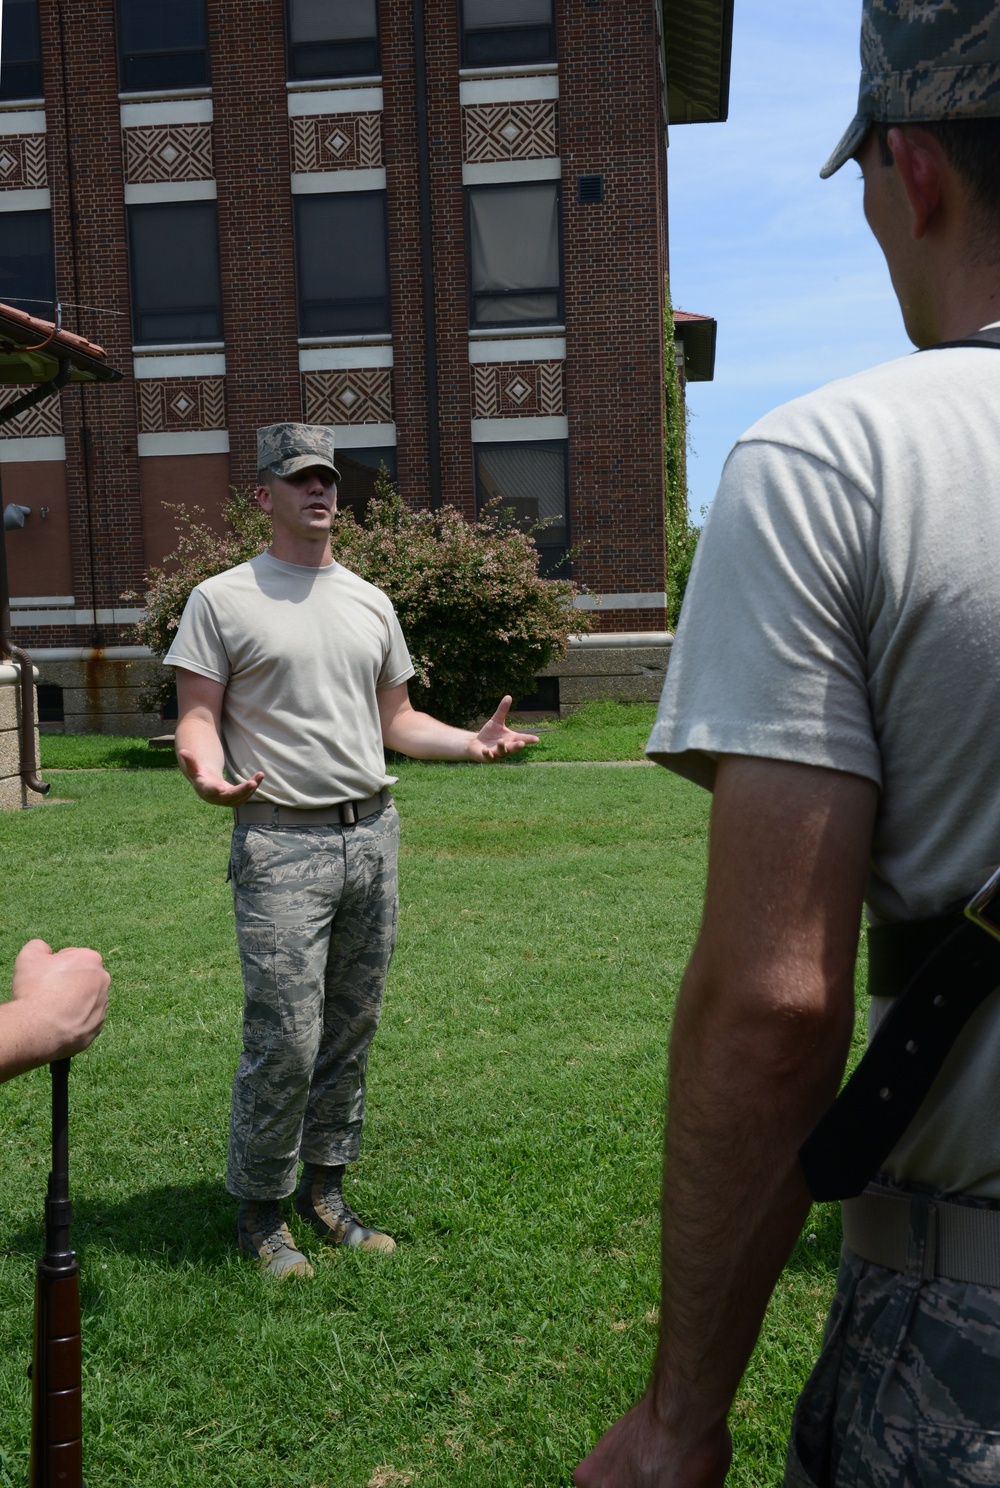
(286, 448)
(922, 61)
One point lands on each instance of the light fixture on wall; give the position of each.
(14, 515)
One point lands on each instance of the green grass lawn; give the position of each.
(512, 1146)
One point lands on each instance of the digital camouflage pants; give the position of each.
(906, 1391)
(316, 923)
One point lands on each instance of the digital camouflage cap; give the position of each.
(287, 448)
(923, 61)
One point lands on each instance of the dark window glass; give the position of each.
(514, 257)
(529, 480)
(333, 38)
(175, 272)
(341, 261)
(162, 44)
(27, 272)
(21, 69)
(50, 703)
(358, 469)
(507, 32)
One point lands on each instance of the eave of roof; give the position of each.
(697, 334)
(698, 42)
(31, 351)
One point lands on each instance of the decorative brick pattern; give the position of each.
(34, 423)
(360, 396)
(173, 403)
(324, 142)
(517, 389)
(22, 162)
(168, 152)
(510, 131)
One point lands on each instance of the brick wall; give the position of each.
(255, 222)
(614, 254)
(89, 230)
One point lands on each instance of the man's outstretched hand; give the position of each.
(495, 739)
(213, 787)
(639, 1451)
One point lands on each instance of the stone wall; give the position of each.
(13, 795)
(101, 694)
(629, 668)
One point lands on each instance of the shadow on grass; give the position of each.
(182, 1224)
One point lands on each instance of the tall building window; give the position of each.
(341, 263)
(21, 66)
(27, 271)
(529, 481)
(507, 32)
(514, 254)
(333, 38)
(176, 294)
(162, 44)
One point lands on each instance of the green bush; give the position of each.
(681, 533)
(478, 620)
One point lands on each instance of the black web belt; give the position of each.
(938, 971)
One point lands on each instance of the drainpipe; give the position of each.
(27, 762)
(426, 258)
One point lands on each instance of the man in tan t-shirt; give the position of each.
(291, 677)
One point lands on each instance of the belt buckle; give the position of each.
(348, 813)
(983, 909)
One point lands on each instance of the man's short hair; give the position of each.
(972, 148)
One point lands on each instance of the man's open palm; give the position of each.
(495, 739)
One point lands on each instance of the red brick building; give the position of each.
(439, 226)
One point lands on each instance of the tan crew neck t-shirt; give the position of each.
(844, 611)
(302, 653)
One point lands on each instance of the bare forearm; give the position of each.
(198, 736)
(745, 1092)
(26, 1041)
(423, 737)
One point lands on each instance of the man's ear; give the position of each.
(264, 501)
(919, 160)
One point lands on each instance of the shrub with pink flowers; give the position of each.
(478, 619)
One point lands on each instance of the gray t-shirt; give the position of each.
(301, 653)
(844, 611)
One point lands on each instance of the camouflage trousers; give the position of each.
(906, 1391)
(316, 915)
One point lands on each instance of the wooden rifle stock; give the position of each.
(56, 1421)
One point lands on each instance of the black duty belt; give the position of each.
(344, 814)
(938, 971)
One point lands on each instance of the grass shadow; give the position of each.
(180, 1224)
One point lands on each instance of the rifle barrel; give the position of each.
(56, 1413)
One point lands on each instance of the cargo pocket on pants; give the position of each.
(261, 1008)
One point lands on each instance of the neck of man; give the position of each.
(306, 552)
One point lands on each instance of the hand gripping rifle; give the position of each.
(56, 1422)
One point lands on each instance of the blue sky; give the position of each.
(783, 260)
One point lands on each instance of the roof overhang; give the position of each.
(698, 43)
(696, 335)
(36, 351)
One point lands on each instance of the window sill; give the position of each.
(530, 69)
(163, 348)
(12, 105)
(508, 332)
(323, 85)
(163, 94)
(370, 338)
